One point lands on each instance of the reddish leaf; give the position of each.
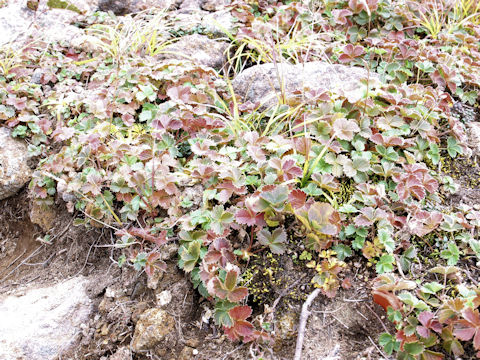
(297, 198)
(351, 52)
(386, 299)
(241, 329)
(469, 327)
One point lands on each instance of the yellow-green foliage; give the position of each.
(61, 4)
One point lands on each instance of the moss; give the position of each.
(61, 4)
(462, 169)
(347, 188)
(428, 244)
(265, 278)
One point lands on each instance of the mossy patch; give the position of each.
(464, 170)
(268, 276)
(61, 4)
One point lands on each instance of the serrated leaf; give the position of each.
(274, 240)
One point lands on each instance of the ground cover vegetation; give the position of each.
(165, 151)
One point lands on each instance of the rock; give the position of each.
(152, 281)
(42, 323)
(215, 5)
(43, 216)
(19, 24)
(153, 327)
(14, 170)
(124, 7)
(464, 112)
(255, 83)
(211, 23)
(473, 132)
(118, 7)
(122, 353)
(187, 353)
(163, 298)
(285, 326)
(216, 23)
(191, 4)
(199, 49)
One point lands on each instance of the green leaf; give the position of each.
(305, 255)
(432, 288)
(275, 199)
(190, 255)
(414, 348)
(388, 153)
(275, 240)
(453, 148)
(140, 261)
(389, 343)
(425, 66)
(20, 131)
(358, 243)
(434, 154)
(221, 316)
(386, 240)
(343, 251)
(452, 254)
(347, 209)
(312, 190)
(350, 230)
(146, 92)
(219, 219)
(385, 264)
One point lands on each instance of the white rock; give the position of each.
(14, 171)
(474, 136)
(17, 23)
(43, 322)
(258, 82)
(164, 298)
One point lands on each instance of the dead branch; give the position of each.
(303, 323)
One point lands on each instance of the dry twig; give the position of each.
(303, 323)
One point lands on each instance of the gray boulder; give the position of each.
(263, 82)
(14, 171)
(40, 324)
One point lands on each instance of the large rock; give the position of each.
(191, 4)
(18, 23)
(14, 171)
(153, 327)
(212, 23)
(40, 324)
(118, 7)
(215, 5)
(263, 83)
(199, 49)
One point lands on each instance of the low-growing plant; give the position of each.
(163, 152)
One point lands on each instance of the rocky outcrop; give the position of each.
(264, 82)
(39, 324)
(14, 171)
